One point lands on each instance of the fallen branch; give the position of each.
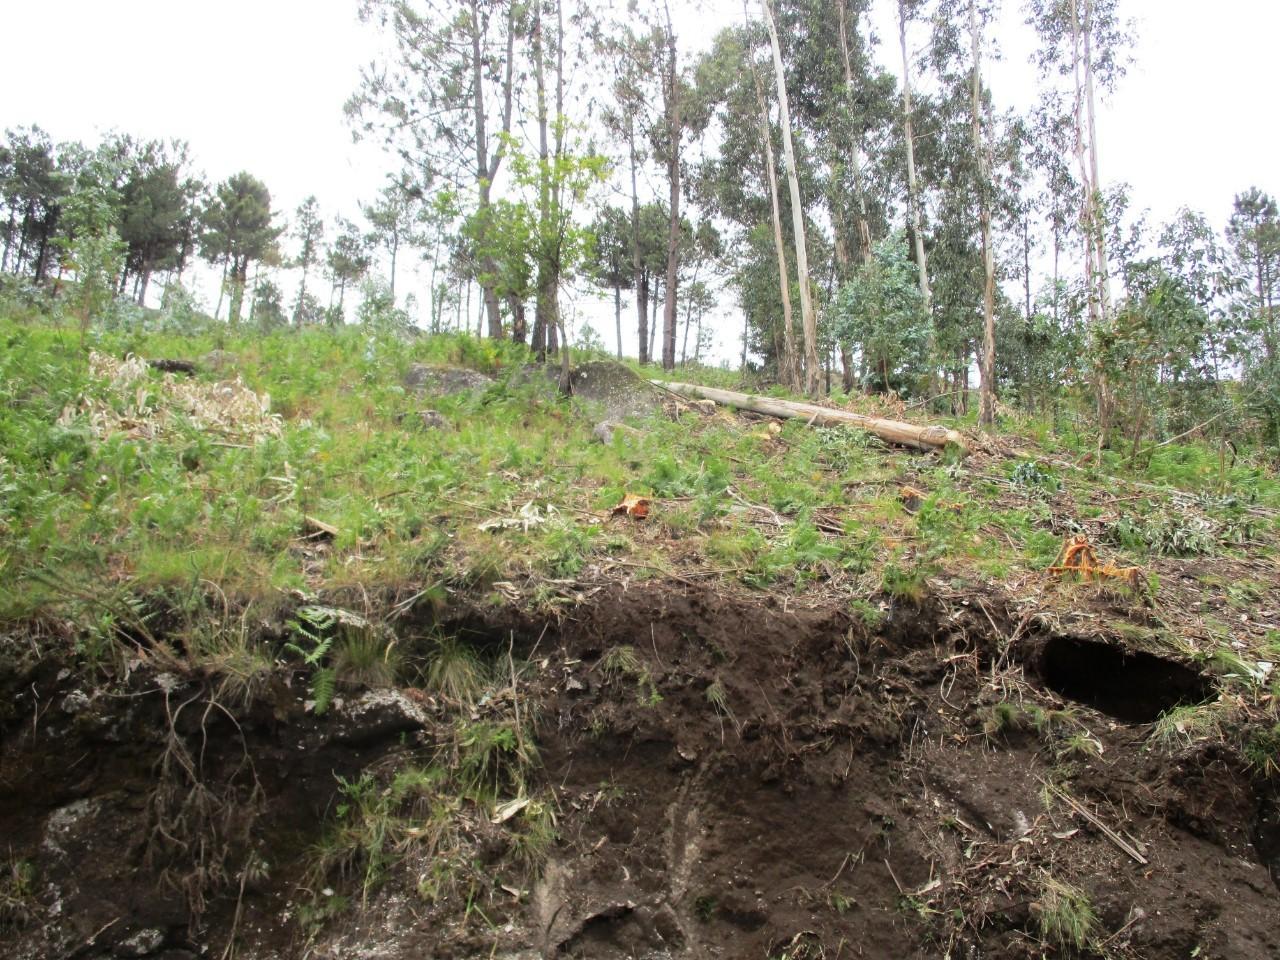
(1093, 818)
(893, 431)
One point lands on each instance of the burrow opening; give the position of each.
(1129, 685)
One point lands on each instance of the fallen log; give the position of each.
(893, 431)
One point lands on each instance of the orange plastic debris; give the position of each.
(1078, 556)
(633, 505)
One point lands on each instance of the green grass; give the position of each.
(1067, 919)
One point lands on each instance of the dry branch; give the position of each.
(893, 431)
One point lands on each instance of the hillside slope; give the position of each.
(336, 647)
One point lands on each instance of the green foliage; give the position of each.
(1066, 918)
(454, 670)
(18, 893)
(1164, 534)
(1262, 750)
(1033, 475)
(882, 311)
(494, 759)
(313, 627)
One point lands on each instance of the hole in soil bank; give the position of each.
(1131, 686)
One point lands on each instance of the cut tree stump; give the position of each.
(893, 431)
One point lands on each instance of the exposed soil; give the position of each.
(804, 787)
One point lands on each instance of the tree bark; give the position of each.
(987, 405)
(913, 187)
(674, 136)
(809, 321)
(617, 316)
(855, 145)
(640, 280)
(789, 369)
(894, 431)
(543, 319)
(487, 166)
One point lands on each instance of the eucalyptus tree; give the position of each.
(808, 318)
(883, 312)
(445, 100)
(960, 41)
(1085, 41)
(626, 116)
(906, 10)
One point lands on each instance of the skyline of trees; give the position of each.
(522, 130)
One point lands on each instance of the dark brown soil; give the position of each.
(804, 787)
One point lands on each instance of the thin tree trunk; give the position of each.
(987, 406)
(913, 186)
(789, 372)
(674, 129)
(855, 146)
(222, 288)
(543, 320)
(808, 319)
(639, 279)
(486, 165)
(1096, 284)
(617, 316)
(653, 322)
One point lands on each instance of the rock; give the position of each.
(615, 389)
(376, 715)
(77, 701)
(141, 944)
(445, 381)
(433, 420)
(605, 429)
(705, 407)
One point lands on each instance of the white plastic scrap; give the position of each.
(529, 516)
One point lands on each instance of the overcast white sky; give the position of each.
(259, 85)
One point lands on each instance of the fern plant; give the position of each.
(313, 625)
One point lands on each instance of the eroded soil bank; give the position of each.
(741, 780)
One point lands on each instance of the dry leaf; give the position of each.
(633, 505)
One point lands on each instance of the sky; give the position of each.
(259, 85)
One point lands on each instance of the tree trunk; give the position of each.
(913, 186)
(653, 321)
(395, 253)
(674, 130)
(617, 316)
(987, 406)
(487, 166)
(142, 286)
(894, 431)
(639, 279)
(789, 372)
(1097, 285)
(222, 288)
(808, 319)
(544, 321)
(239, 277)
(855, 145)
